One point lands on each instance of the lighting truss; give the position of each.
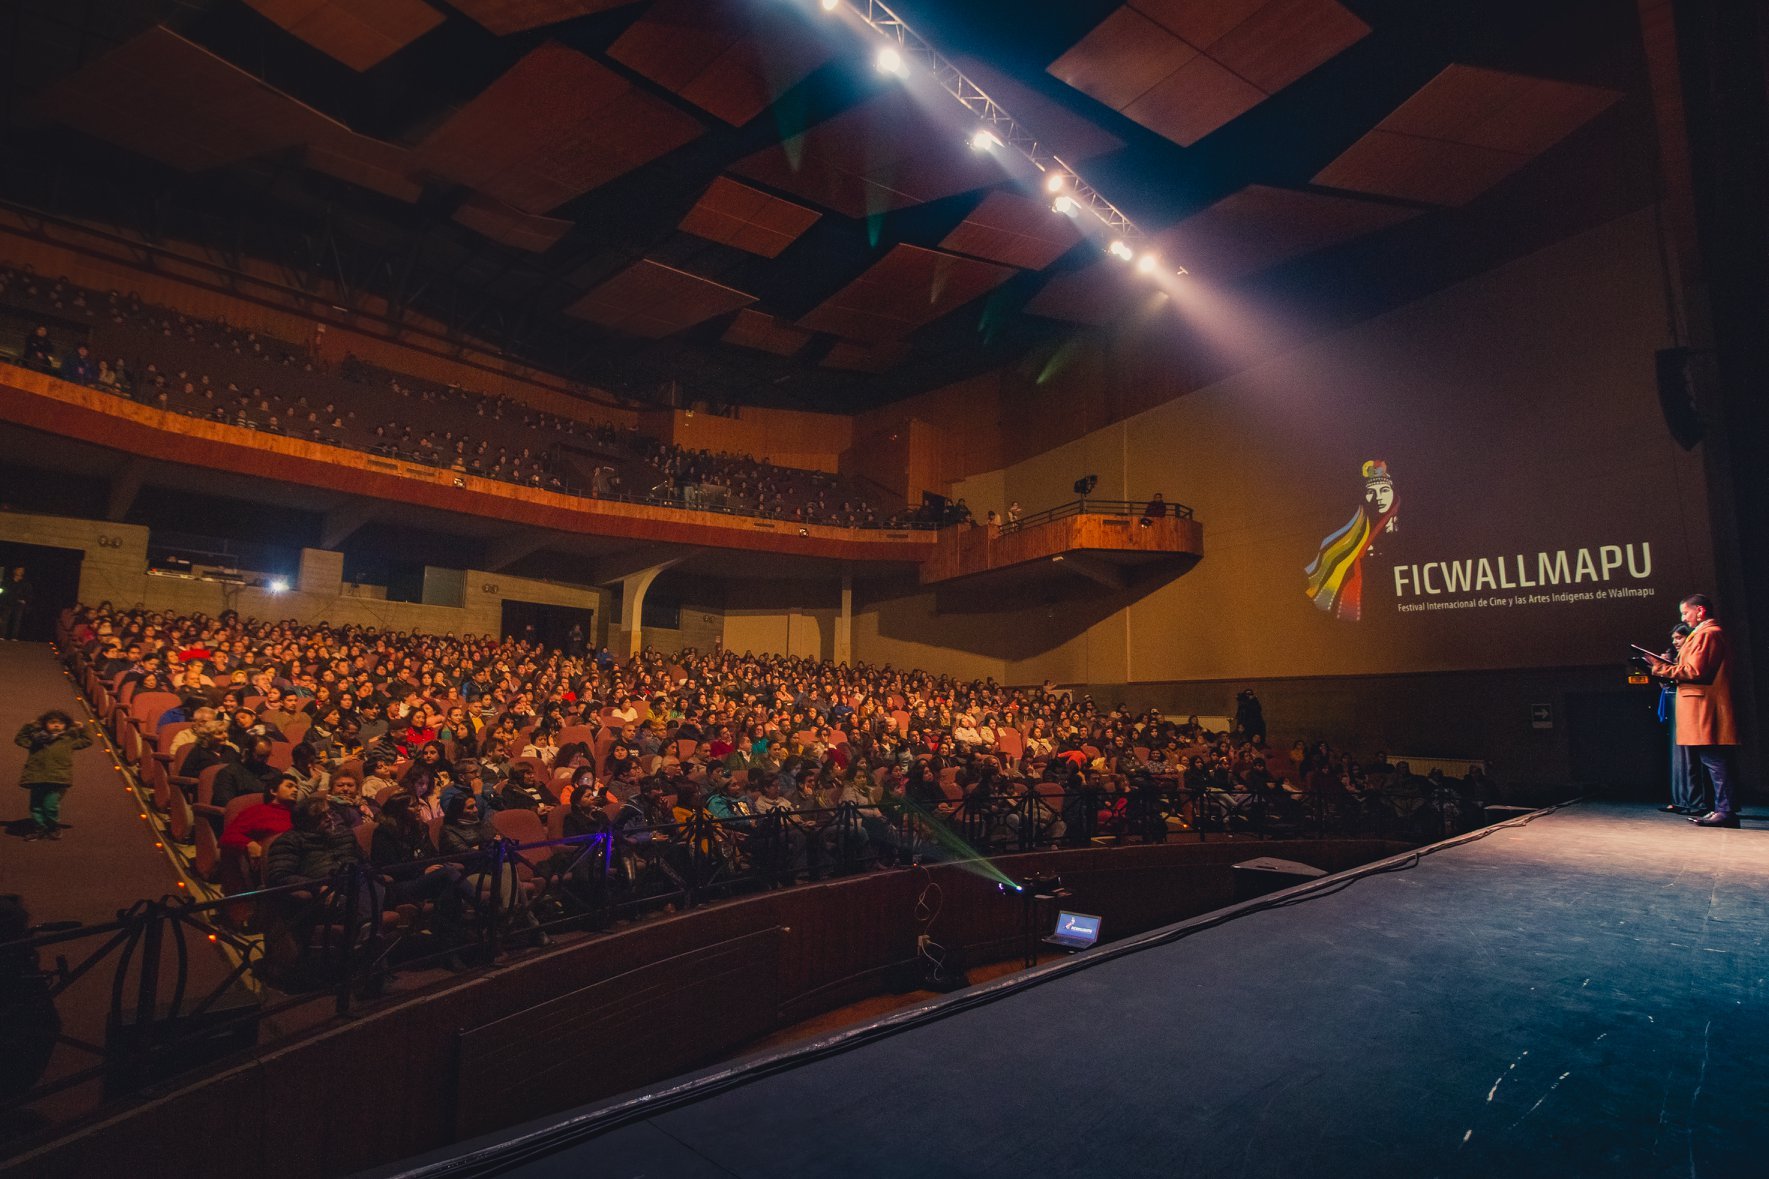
(915, 48)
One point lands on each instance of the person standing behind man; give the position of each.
(1705, 720)
(1689, 785)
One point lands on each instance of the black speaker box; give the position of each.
(1676, 395)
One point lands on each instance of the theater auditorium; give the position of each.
(883, 587)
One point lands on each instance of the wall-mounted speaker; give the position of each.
(1676, 395)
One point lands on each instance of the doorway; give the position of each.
(551, 625)
(1617, 744)
(54, 578)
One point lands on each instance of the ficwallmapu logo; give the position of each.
(1336, 575)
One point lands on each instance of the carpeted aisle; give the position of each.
(108, 860)
(1584, 995)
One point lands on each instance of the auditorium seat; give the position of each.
(577, 734)
(233, 868)
(164, 736)
(949, 784)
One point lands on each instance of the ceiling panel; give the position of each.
(1501, 111)
(1200, 22)
(1183, 68)
(865, 358)
(1259, 227)
(1095, 295)
(884, 154)
(1463, 132)
(514, 16)
(747, 218)
(174, 101)
(653, 300)
(385, 168)
(513, 227)
(1013, 229)
(1124, 57)
(1285, 39)
(1433, 171)
(556, 125)
(359, 33)
(765, 333)
(908, 287)
(1194, 100)
(732, 58)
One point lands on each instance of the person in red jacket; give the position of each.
(250, 829)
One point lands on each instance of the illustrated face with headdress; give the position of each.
(1379, 495)
(1378, 489)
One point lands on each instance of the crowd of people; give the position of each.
(219, 372)
(368, 716)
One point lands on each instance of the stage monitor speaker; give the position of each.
(1676, 395)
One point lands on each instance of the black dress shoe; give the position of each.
(1716, 819)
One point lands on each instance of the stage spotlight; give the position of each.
(1055, 182)
(1147, 263)
(1120, 251)
(889, 61)
(1066, 205)
(984, 140)
(278, 585)
(829, 5)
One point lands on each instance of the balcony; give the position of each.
(1110, 543)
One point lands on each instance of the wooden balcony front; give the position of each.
(1109, 542)
(46, 403)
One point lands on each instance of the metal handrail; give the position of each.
(1087, 506)
(523, 893)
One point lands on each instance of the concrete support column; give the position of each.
(629, 640)
(844, 623)
(125, 486)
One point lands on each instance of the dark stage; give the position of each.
(1581, 994)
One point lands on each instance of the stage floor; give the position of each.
(1581, 995)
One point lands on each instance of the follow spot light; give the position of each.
(1120, 251)
(984, 140)
(1055, 181)
(889, 61)
(1066, 205)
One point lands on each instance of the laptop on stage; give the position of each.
(1074, 931)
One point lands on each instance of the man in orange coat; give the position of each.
(1705, 720)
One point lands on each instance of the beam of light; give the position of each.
(1059, 360)
(889, 61)
(829, 5)
(1147, 263)
(964, 855)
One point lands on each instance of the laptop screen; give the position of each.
(1076, 927)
